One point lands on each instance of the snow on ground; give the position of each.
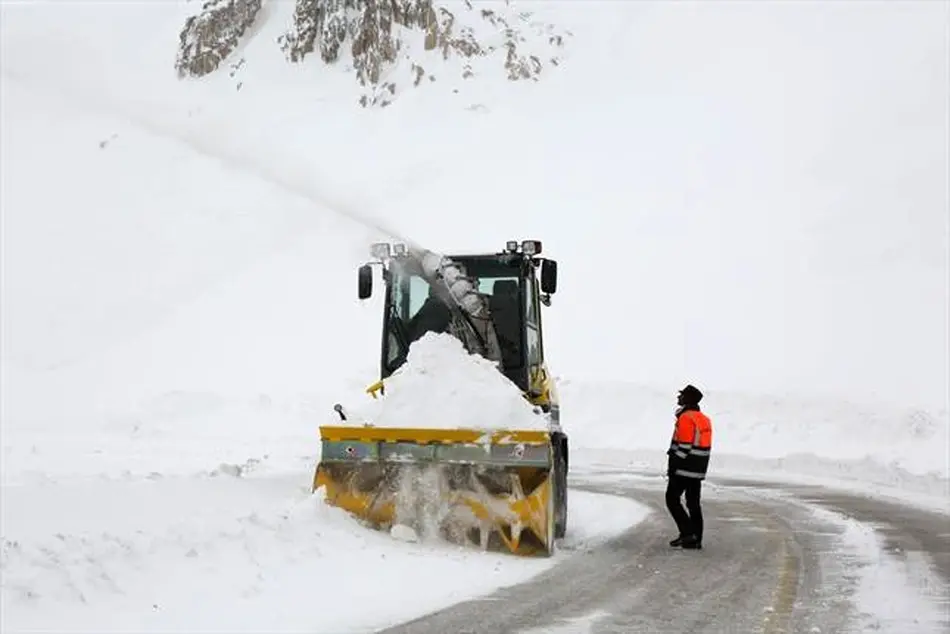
(627, 415)
(245, 551)
(894, 593)
(219, 255)
(179, 261)
(158, 304)
(891, 451)
(805, 183)
(889, 590)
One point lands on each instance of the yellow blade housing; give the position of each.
(492, 489)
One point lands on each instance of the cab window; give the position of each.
(531, 302)
(532, 323)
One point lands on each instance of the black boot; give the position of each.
(691, 542)
(677, 542)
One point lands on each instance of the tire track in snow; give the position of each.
(902, 554)
(786, 590)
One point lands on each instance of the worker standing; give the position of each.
(688, 461)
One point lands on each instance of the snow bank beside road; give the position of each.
(238, 554)
(835, 440)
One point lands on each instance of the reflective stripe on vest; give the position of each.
(692, 444)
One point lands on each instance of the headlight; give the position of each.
(531, 247)
(379, 250)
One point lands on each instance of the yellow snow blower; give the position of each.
(503, 489)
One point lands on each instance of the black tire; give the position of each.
(560, 489)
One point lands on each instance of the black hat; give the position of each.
(691, 394)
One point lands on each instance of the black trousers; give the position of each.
(690, 523)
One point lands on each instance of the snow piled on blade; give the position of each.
(442, 386)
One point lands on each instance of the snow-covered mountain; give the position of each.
(388, 44)
(750, 197)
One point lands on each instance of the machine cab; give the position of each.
(515, 283)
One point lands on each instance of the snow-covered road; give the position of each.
(776, 558)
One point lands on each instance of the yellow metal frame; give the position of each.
(505, 519)
(375, 387)
(424, 436)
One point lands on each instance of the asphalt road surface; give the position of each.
(769, 564)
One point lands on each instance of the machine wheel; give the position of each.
(552, 523)
(560, 489)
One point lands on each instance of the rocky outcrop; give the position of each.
(369, 26)
(388, 43)
(209, 37)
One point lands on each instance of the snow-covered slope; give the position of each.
(178, 318)
(748, 197)
(237, 554)
(793, 196)
(899, 452)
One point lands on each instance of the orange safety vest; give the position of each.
(691, 445)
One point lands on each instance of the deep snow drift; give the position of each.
(891, 451)
(239, 554)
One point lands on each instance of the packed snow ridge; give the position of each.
(387, 43)
(442, 385)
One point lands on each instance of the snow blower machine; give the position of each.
(500, 490)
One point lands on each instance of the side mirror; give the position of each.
(548, 276)
(365, 281)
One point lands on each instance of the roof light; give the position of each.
(531, 247)
(379, 250)
(512, 246)
(399, 249)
